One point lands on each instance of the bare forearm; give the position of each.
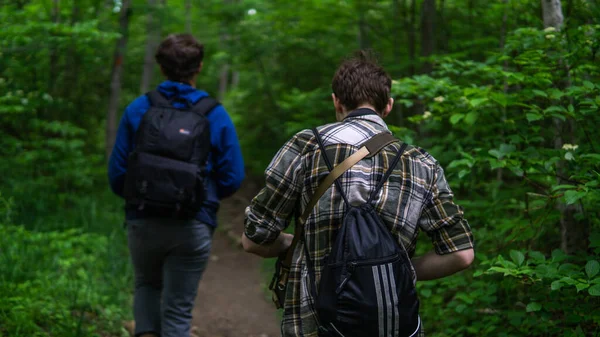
(433, 266)
(274, 249)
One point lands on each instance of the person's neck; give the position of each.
(344, 113)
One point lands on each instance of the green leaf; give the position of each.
(558, 255)
(588, 84)
(569, 156)
(475, 102)
(591, 155)
(517, 257)
(471, 117)
(517, 171)
(496, 153)
(536, 256)
(582, 286)
(425, 292)
(463, 173)
(500, 98)
(563, 187)
(456, 118)
(532, 117)
(540, 93)
(592, 268)
(556, 285)
(533, 306)
(555, 109)
(571, 196)
(507, 148)
(594, 290)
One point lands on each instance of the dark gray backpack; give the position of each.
(366, 286)
(165, 171)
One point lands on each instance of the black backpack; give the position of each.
(366, 286)
(165, 171)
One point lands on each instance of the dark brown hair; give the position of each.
(179, 56)
(360, 80)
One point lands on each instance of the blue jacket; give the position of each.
(225, 163)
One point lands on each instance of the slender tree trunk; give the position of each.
(152, 37)
(363, 35)
(574, 228)
(235, 79)
(396, 38)
(71, 66)
(503, 30)
(115, 83)
(441, 29)
(53, 51)
(188, 16)
(428, 14)
(412, 36)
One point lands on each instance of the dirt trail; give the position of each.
(231, 299)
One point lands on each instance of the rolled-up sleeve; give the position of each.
(271, 210)
(443, 220)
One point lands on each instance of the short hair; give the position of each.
(179, 56)
(360, 80)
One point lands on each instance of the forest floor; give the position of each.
(232, 301)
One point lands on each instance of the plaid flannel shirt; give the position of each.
(416, 196)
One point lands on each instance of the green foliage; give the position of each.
(495, 124)
(62, 283)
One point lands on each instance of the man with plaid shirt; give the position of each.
(416, 196)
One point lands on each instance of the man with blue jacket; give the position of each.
(169, 254)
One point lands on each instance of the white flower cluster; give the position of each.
(427, 114)
(439, 99)
(570, 147)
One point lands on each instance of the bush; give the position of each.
(62, 283)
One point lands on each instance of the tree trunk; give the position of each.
(552, 13)
(574, 229)
(53, 51)
(363, 36)
(441, 29)
(115, 83)
(188, 16)
(428, 14)
(412, 36)
(152, 37)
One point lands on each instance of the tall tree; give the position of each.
(412, 36)
(552, 13)
(188, 16)
(53, 51)
(152, 40)
(117, 74)
(574, 228)
(428, 14)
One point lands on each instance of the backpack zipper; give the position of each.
(352, 265)
(350, 270)
(391, 258)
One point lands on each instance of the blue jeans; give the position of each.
(169, 257)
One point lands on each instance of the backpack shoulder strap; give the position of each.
(388, 172)
(157, 99)
(205, 105)
(368, 149)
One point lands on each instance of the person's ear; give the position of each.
(200, 67)
(388, 108)
(336, 104)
